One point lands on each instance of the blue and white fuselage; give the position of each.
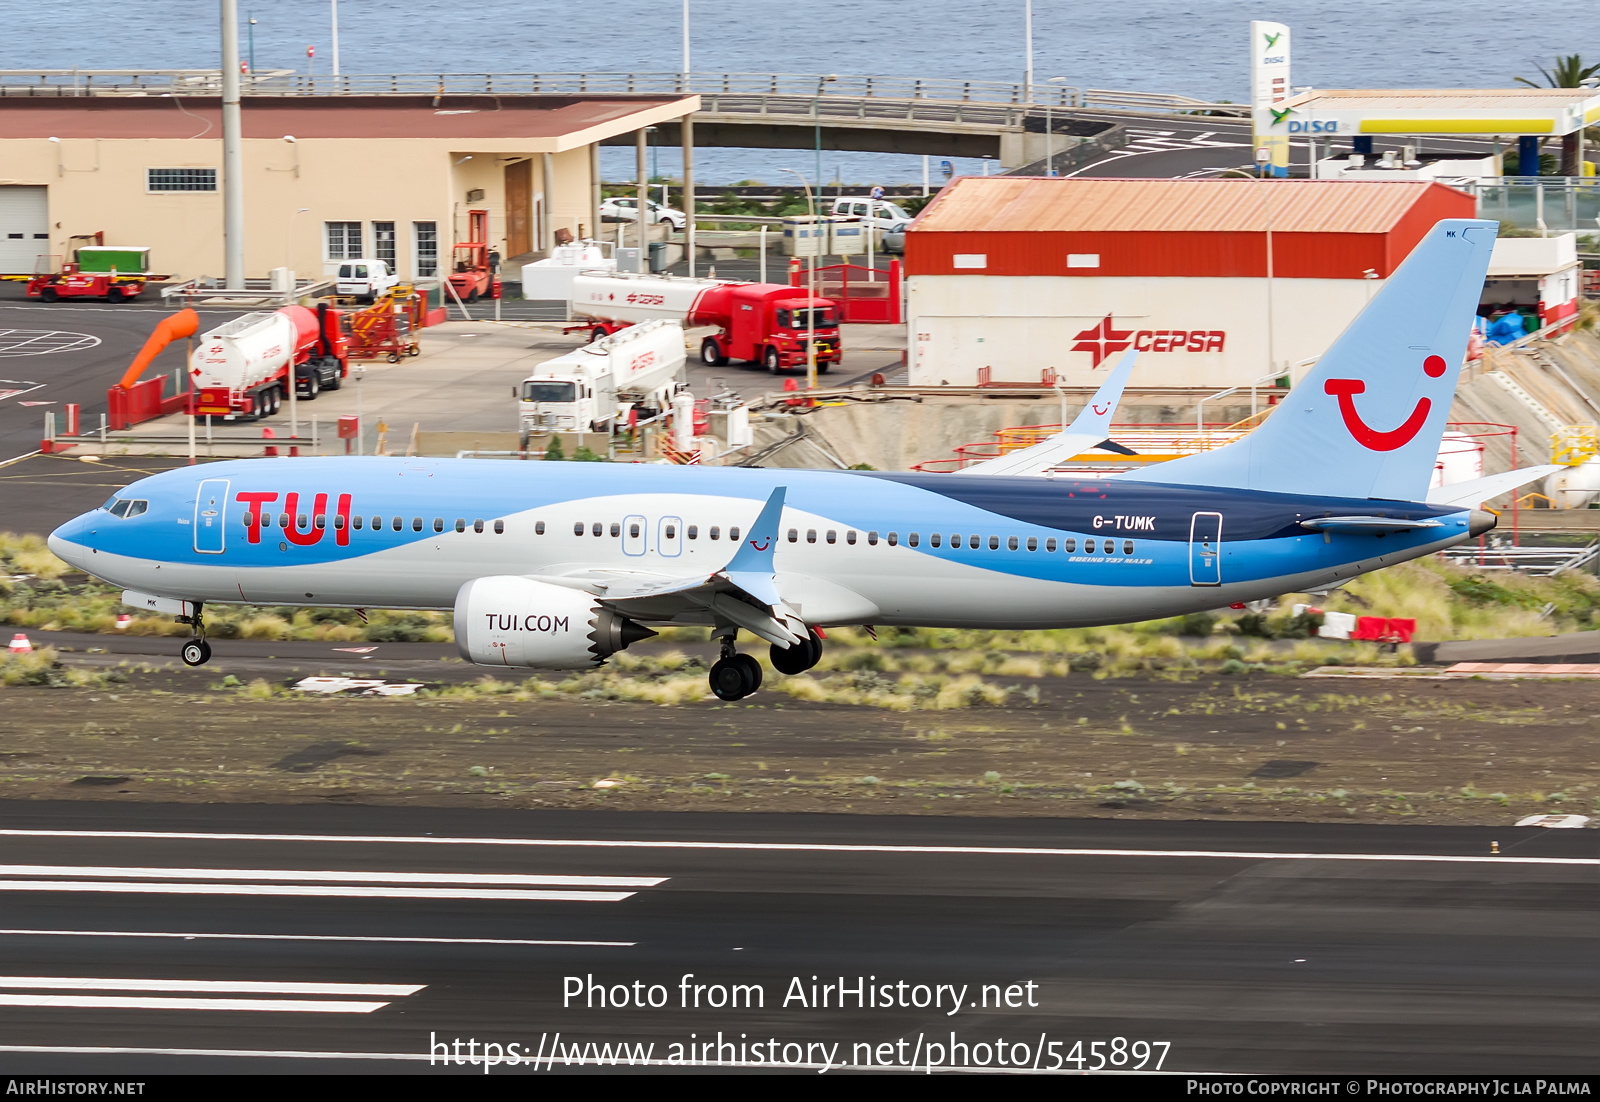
(851, 548)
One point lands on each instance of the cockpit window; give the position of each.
(126, 507)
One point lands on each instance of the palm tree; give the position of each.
(1569, 72)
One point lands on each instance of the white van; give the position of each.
(883, 215)
(364, 278)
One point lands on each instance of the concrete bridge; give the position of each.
(1003, 120)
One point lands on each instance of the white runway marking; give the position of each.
(320, 890)
(40, 342)
(808, 847)
(316, 937)
(202, 987)
(136, 1002)
(509, 879)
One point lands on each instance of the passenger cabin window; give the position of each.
(597, 529)
(477, 526)
(356, 522)
(398, 524)
(794, 536)
(1033, 543)
(500, 527)
(319, 522)
(538, 527)
(833, 536)
(894, 538)
(338, 522)
(1127, 547)
(933, 540)
(693, 531)
(1011, 543)
(994, 543)
(1088, 547)
(811, 535)
(577, 528)
(872, 538)
(416, 524)
(913, 539)
(461, 525)
(616, 530)
(633, 531)
(1069, 545)
(1050, 544)
(715, 533)
(850, 536)
(733, 534)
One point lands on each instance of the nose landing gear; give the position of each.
(196, 652)
(734, 676)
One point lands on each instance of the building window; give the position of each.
(180, 179)
(383, 243)
(344, 240)
(425, 248)
(970, 260)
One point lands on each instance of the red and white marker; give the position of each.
(123, 621)
(20, 644)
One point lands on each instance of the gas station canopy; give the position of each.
(1487, 111)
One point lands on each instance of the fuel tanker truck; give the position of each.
(764, 323)
(592, 388)
(241, 369)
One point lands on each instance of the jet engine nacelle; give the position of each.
(512, 621)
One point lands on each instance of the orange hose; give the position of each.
(182, 324)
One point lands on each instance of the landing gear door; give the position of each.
(634, 534)
(1205, 549)
(669, 537)
(210, 515)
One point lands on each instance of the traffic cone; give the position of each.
(123, 621)
(20, 644)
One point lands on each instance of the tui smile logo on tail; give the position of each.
(1374, 439)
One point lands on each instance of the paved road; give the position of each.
(343, 938)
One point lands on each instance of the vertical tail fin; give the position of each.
(1367, 422)
(1089, 429)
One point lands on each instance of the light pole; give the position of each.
(811, 287)
(334, 16)
(816, 121)
(1027, 48)
(1050, 132)
(685, 45)
(232, 153)
(359, 371)
(294, 383)
(252, 31)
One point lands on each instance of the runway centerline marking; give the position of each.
(317, 937)
(198, 987)
(466, 878)
(318, 890)
(137, 1002)
(805, 847)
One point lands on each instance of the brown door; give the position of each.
(519, 208)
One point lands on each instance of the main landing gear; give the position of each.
(196, 652)
(735, 676)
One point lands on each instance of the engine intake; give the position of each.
(512, 621)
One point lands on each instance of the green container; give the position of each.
(126, 259)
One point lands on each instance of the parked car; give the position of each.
(894, 241)
(881, 213)
(365, 279)
(626, 209)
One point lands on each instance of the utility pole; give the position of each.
(335, 15)
(232, 153)
(686, 69)
(1027, 45)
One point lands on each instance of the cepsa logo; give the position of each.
(1105, 339)
(300, 529)
(642, 361)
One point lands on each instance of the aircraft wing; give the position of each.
(1090, 429)
(744, 592)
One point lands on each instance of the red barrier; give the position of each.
(860, 300)
(1384, 629)
(145, 400)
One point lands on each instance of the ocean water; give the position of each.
(1181, 46)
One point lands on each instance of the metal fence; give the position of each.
(1547, 205)
(94, 82)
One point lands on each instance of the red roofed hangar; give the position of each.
(1030, 277)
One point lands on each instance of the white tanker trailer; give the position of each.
(591, 388)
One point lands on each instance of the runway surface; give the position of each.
(183, 938)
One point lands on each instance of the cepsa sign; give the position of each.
(1105, 339)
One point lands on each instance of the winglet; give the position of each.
(1095, 418)
(751, 566)
(1090, 429)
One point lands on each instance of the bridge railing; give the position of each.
(826, 88)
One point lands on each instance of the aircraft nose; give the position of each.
(1480, 521)
(66, 544)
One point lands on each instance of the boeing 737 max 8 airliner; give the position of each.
(558, 565)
